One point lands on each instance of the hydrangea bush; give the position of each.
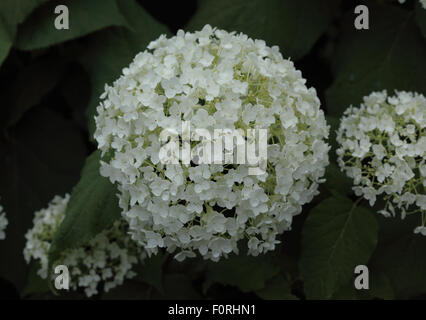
(3, 224)
(383, 149)
(105, 260)
(228, 215)
(214, 80)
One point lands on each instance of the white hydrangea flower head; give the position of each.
(108, 258)
(211, 79)
(382, 147)
(3, 224)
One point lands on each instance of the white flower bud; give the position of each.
(3, 224)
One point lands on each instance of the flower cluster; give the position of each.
(382, 146)
(3, 224)
(211, 79)
(107, 258)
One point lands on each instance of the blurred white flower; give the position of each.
(214, 80)
(107, 259)
(422, 2)
(421, 230)
(3, 224)
(393, 162)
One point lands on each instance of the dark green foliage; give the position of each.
(294, 26)
(50, 83)
(390, 55)
(338, 235)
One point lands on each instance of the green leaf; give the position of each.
(381, 287)
(400, 255)
(85, 17)
(294, 26)
(390, 55)
(247, 273)
(151, 272)
(421, 17)
(40, 157)
(32, 84)
(75, 88)
(92, 208)
(336, 237)
(129, 290)
(6, 40)
(337, 181)
(109, 52)
(177, 287)
(12, 13)
(348, 292)
(35, 284)
(276, 288)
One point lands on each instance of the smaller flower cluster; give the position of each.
(382, 146)
(3, 224)
(108, 258)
